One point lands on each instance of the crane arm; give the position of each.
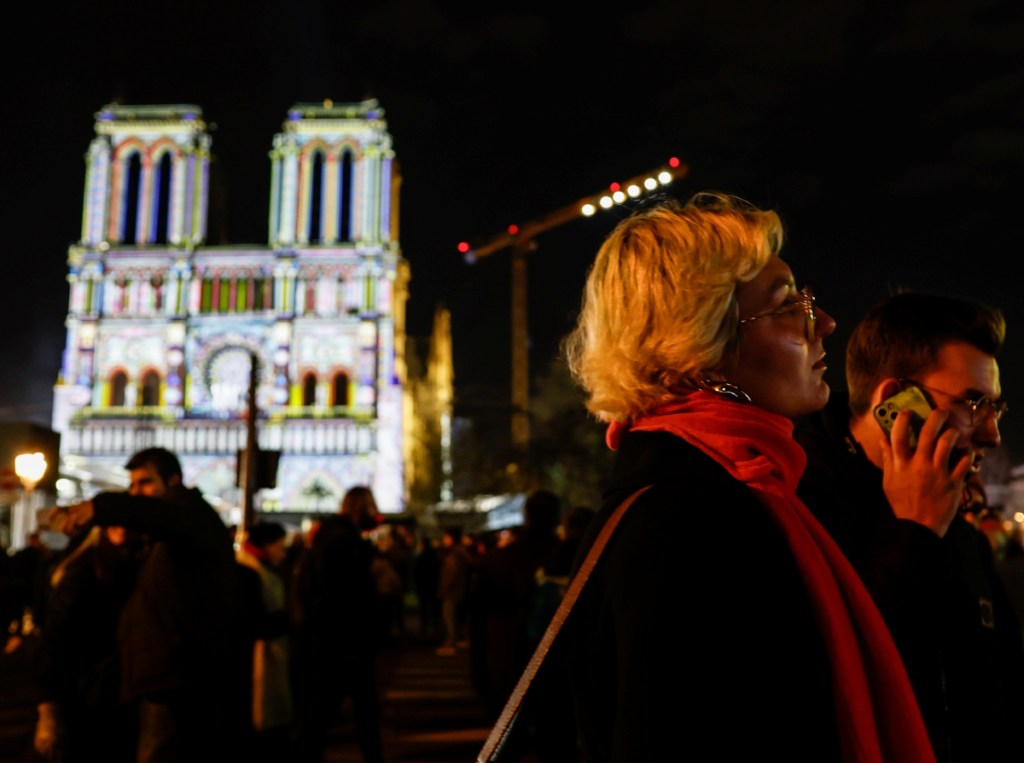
(644, 183)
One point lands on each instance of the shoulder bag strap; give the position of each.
(500, 733)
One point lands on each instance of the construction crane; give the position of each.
(520, 239)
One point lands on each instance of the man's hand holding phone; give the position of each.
(918, 478)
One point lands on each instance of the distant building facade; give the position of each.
(162, 329)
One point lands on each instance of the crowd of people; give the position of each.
(161, 634)
(871, 607)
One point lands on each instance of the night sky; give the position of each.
(889, 136)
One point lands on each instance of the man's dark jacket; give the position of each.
(694, 638)
(334, 601)
(941, 597)
(175, 629)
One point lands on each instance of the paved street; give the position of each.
(430, 711)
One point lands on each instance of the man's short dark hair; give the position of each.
(542, 510)
(262, 534)
(902, 335)
(162, 460)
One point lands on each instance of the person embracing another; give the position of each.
(718, 592)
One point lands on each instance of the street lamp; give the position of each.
(30, 468)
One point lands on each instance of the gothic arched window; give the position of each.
(339, 390)
(130, 198)
(316, 197)
(309, 389)
(156, 282)
(345, 171)
(149, 388)
(118, 383)
(162, 200)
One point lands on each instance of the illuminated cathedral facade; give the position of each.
(163, 329)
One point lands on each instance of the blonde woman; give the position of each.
(721, 623)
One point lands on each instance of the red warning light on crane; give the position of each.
(673, 162)
(463, 247)
(513, 229)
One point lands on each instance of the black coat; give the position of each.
(942, 599)
(694, 637)
(175, 629)
(334, 600)
(75, 661)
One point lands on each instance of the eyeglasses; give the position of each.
(805, 302)
(982, 408)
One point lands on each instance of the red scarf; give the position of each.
(877, 714)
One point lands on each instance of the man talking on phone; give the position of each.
(891, 500)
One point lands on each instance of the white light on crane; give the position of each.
(664, 177)
(588, 210)
(633, 190)
(606, 202)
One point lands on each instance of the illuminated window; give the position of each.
(130, 199)
(229, 371)
(241, 286)
(345, 196)
(90, 295)
(162, 201)
(118, 383)
(206, 299)
(309, 389)
(123, 295)
(309, 300)
(149, 389)
(157, 283)
(316, 197)
(339, 390)
(259, 297)
(224, 295)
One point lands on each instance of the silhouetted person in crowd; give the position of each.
(335, 616)
(390, 587)
(174, 632)
(76, 662)
(263, 551)
(1011, 572)
(399, 550)
(504, 596)
(248, 621)
(31, 564)
(453, 588)
(426, 571)
(12, 602)
(554, 576)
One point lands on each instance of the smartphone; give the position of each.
(912, 398)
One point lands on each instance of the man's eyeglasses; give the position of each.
(982, 408)
(805, 302)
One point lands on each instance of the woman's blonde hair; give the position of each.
(659, 305)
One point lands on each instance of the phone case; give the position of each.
(912, 398)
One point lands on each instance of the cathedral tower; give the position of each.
(163, 330)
